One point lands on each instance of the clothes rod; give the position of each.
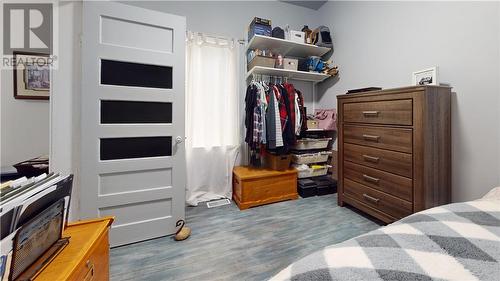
(240, 41)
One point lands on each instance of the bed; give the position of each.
(459, 241)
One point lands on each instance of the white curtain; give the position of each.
(212, 116)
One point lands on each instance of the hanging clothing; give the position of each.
(250, 104)
(291, 99)
(273, 118)
(262, 104)
(281, 107)
(288, 135)
(297, 115)
(303, 113)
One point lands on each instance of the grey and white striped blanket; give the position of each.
(459, 241)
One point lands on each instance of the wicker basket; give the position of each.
(311, 157)
(310, 171)
(306, 144)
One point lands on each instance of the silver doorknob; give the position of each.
(179, 139)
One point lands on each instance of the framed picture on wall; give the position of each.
(31, 76)
(427, 76)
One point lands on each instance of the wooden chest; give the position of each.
(254, 187)
(86, 257)
(395, 150)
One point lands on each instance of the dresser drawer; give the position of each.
(389, 183)
(95, 266)
(391, 112)
(397, 139)
(386, 160)
(381, 201)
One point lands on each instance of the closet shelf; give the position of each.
(291, 74)
(286, 47)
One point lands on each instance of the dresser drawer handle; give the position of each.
(372, 159)
(371, 138)
(370, 179)
(370, 113)
(90, 274)
(373, 199)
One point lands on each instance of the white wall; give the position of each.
(498, 79)
(382, 43)
(65, 119)
(231, 18)
(24, 125)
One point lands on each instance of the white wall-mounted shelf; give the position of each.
(285, 47)
(291, 74)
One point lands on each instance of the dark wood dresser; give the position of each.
(395, 150)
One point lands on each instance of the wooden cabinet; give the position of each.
(86, 257)
(254, 187)
(395, 150)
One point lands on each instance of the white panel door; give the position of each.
(132, 138)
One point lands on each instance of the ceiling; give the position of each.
(315, 5)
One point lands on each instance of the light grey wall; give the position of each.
(382, 43)
(498, 79)
(66, 93)
(24, 125)
(231, 18)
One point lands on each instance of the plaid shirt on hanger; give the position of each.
(282, 107)
(257, 123)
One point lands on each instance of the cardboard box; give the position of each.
(277, 162)
(291, 64)
(261, 61)
(297, 36)
(259, 26)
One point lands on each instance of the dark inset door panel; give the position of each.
(137, 147)
(135, 74)
(126, 112)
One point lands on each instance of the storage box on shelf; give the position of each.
(326, 185)
(297, 36)
(309, 143)
(322, 185)
(308, 158)
(259, 26)
(290, 64)
(261, 61)
(308, 171)
(277, 162)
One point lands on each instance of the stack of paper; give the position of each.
(22, 199)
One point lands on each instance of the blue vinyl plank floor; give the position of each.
(229, 244)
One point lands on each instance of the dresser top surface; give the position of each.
(83, 235)
(394, 91)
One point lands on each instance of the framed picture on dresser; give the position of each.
(427, 76)
(31, 76)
